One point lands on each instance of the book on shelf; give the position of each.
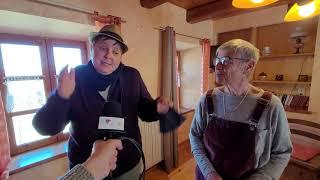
(294, 101)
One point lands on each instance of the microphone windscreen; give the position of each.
(112, 109)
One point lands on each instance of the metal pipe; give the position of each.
(68, 6)
(161, 28)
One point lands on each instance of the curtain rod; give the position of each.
(161, 28)
(68, 6)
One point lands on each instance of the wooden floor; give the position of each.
(184, 152)
(187, 164)
(156, 173)
(185, 171)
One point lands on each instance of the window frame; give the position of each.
(49, 79)
(50, 43)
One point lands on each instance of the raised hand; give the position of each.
(66, 82)
(163, 105)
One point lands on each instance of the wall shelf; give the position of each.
(285, 55)
(300, 110)
(282, 82)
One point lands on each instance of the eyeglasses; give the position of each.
(225, 60)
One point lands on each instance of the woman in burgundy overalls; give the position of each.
(239, 131)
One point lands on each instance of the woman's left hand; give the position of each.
(163, 105)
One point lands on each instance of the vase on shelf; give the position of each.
(297, 38)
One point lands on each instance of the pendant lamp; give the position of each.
(245, 4)
(302, 10)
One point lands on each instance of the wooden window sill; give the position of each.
(184, 110)
(37, 157)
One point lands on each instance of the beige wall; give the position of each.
(47, 171)
(190, 72)
(315, 88)
(139, 33)
(270, 16)
(176, 17)
(255, 19)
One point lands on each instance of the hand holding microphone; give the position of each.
(103, 158)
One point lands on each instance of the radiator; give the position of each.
(151, 142)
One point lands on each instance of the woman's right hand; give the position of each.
(213, 176)
(66, 82)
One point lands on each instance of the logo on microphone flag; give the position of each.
(111, 123)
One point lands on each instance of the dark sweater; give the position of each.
(84, 107)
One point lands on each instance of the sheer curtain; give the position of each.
(5, 146)
(205, 44)
(169, 89)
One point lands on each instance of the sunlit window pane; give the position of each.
(25, 95)
(66, 129)
(64, 56)
(21, 60)
(24, 131)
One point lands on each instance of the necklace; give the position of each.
(234, 109)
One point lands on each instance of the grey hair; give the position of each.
(241, 47)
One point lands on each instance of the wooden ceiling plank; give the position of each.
(152, 3)
(188, 4)
(221, 9)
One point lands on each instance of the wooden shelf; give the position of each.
(300, 110)
(281, 82)
(285, 55)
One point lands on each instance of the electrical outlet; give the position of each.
(301, 90)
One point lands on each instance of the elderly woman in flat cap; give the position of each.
(82, 93)
(239, 131)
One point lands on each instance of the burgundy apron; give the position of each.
(230, 146)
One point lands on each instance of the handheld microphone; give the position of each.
(111, 121)
(111, 125)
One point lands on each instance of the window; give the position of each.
(28, 68)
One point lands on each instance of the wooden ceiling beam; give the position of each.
(152, 3)
(221, 9)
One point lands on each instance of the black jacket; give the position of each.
(83, 109)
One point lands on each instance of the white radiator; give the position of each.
(151, 142)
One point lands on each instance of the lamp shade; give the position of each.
(299, 12)
(245, 4)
